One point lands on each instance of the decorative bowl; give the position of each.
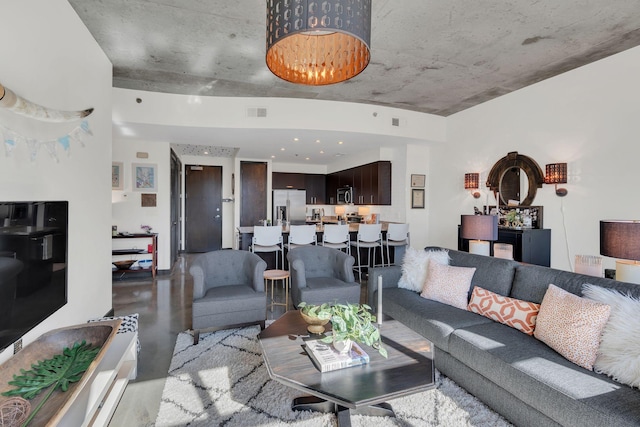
(124, 265)
(316, 325)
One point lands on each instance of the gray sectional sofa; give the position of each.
(513, 373)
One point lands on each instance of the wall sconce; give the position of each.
(472, 182)
(621, 239)
(556, 173)
(479, 228)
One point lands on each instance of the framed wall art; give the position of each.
(417, 198)
(145, 177)
(116, 176)
(417, 180)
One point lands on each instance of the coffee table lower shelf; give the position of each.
(343, 414)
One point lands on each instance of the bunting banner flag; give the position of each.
(12, 138)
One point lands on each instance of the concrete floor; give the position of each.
(164, 307)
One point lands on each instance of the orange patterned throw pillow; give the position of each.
(516, 313)
(571, 325)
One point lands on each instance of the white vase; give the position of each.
(342, 346)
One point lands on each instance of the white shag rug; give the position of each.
(222, 381)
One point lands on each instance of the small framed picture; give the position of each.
(116, 176)
(145, 177)
(417, 199)
(417, 181)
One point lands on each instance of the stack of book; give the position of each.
(327, 358)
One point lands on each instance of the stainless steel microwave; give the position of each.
(345, 195)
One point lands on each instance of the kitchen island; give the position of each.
(245, 236)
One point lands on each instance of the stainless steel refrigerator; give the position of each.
(290, 205)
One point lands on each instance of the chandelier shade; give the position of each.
(318, 43)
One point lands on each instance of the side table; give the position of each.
(273, 275)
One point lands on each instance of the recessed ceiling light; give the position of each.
(296, 139)
(318, 141)
(321, 152)
(282, 149)
(273, 157)
(339, 142)
(306, 158)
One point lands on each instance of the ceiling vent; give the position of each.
(395, 121)
(256, 112)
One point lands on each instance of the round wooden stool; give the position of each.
(273, 275)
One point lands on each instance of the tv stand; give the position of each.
(97, 401)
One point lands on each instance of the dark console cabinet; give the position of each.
(531, 246)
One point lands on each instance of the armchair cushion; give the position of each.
(321, 274)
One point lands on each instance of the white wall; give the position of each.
(127, 212)
(49, 57)
(587, 117)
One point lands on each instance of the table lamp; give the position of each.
(621, 239)
(479, 229)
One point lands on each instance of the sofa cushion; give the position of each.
(571, 325)
(431, 319)
(448, 284)
(537, 375)
(512, 312)
(494, 274)
(415, 264)
(619, 352)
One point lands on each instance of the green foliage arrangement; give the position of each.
(348, 321)
(322, 311)
(57, 372)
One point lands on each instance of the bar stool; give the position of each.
(397, 235)
(268, 239)
(337, 237)
(301, 235)
(369, 237)
(273, 275)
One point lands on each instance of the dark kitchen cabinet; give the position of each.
(531, 246)
(372, 184)
(286, 180)
(316, 188)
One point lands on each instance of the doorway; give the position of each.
(176, 185)
(203, 208)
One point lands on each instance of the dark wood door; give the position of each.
(253, 190)
(176, 183)
(203, 208)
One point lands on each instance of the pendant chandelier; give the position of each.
(318, 43)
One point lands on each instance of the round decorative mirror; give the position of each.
(516, 177)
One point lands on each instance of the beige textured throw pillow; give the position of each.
(414, 266)
(619, 352)
(571, 325)
(448, 284)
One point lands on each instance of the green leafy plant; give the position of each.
(57, 372)
(356, 323)
(322, 311)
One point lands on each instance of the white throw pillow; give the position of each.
(619, 352)
(415, 265)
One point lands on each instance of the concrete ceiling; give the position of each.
(437, 57)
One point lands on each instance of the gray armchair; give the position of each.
(320, 274)
(228, 290)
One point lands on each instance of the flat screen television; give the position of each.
(33, 265)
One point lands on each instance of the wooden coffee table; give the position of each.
(360, 389)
